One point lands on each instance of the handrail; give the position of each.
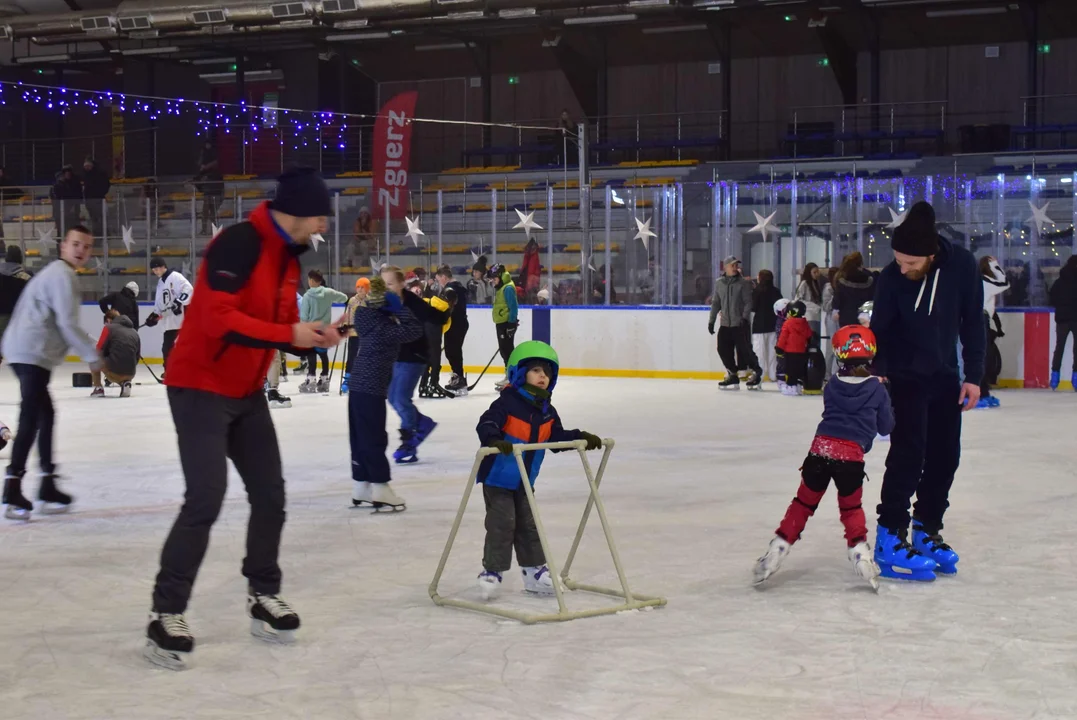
(868, 105)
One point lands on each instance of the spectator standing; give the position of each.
(364, 237)
(765, 322)
(1064, 301)
(125, 301)
(13, 279)
(731, 306)
(66, 197)
(95, 186)
(210, 181)
(853, 286)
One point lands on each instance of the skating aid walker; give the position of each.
(630, 600)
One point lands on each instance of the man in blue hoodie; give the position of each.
(927, 298)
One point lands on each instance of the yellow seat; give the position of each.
(240, 177)
(355, 174)
(354, 191)
(36, 218)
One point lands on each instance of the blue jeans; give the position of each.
(401, 389)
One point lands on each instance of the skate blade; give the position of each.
(263, 631)
(949, 570)
(14, 513)
(168, 659)
(387, 508)
(895, 573)
(540, 592)
(54, 509)
(361, 503)
(406, 460)
(279, 406)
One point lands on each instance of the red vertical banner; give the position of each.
(392, 150)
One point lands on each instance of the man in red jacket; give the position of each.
(243, 311)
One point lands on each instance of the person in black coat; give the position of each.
(1064, 300)
(853, 287)
(66, 194)
(765, 322)
(95, 186)
(457, 296)
(124, 302)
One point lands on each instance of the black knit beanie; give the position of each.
(302, 193)
(917, 236)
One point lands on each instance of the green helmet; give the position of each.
(531, 350)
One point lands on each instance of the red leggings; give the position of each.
(818, 471)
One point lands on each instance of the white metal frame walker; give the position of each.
(631, 601)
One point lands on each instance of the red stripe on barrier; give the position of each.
(1037, 349)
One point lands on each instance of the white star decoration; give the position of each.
(644, 232)
(185, 269)
(1039, 217)
(527, 223)
(413, 230)
(128, 239)
(375, 263)
(896, 218)
(315, 239)
(98, 266)
(47, 238)
(474, 258)
(764, 225)
(215, 229)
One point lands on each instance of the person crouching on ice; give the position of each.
(521, 414)
(120, 349)
(856, 407)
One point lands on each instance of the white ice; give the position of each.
(697, 484)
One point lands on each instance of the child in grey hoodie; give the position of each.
(317, 306)
(43, 326)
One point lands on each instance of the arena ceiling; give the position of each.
(400, 39)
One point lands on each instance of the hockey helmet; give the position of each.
(780, 306)
(854, 345)
(496, 271)
(522, 357)
(797, 309)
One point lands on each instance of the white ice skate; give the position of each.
(489, 584)
(863, 560)
(537, 580)
(771, 560)
(361, 493)
(168, 641)
(310, 385)
(323, 384)
(125, 390)
(502, 383)
(792, 390)
(384, 499)
(272, 619)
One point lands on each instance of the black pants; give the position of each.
(312, 362)
(925, 450)
(211, 429)
(349, 353)
(95, 209)
(166, 346)
(369, 440)
(509, 524)
(796, 368)
(36, 418)
(1062, 333)
(735, 349)
(992, 360)
(454, 347)
(506, 340)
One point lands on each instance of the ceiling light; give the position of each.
(516, 13)
(467, 15)
(213, 61)
(599, 19)
(712, 4)
(351, 24)
(672, 29)
(647, 3)
(966, 12)
(30, 59)
(151, 50)
(442, 46)
(344, 37)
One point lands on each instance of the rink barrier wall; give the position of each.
(658, 342)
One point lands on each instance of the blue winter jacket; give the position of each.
(917, 322)
(381, 333)
(517, 417)
(856, 409)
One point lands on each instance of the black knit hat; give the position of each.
(917, 236)
(157, 262)
(302, 193)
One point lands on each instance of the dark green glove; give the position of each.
(503, 446)
(710, 328)
(594, 442)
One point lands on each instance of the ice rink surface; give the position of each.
(696, 486)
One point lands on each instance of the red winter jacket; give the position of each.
(242, 310)
(795, 336)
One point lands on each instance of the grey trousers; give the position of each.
(509, 524)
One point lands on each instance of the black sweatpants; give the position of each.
(796, 368)
(36, 419)
(506, 340)
(454, 347)
(166, 346)
(349, 354)
(211, 429)
(925, 450)
(1062, 333)
(509, 524)
(312, 362)
(735, 349)
(369, 440)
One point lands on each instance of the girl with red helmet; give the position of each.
(856, 408)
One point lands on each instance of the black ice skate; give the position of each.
(457, 386)
(272, 619)
(755, 382)
(276, 400)
(17, 507)
(54, 501)
(168, 641)
(731, 382)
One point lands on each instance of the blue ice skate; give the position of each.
(899, 560)
(1055, 380)
(344, 383)
(994, 402)
(983, 404)
(932, 546)
(426, 426)
(405, 454)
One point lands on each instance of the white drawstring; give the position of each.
(934, 287)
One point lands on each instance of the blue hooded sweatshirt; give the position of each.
(856, 409)
(917, 322)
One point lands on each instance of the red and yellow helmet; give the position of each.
(855, 344)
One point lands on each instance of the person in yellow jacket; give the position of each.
(506, 313)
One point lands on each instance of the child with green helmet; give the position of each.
(522, 413)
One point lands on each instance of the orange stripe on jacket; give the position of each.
(521, 429)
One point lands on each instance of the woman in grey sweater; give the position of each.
(44, 325)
